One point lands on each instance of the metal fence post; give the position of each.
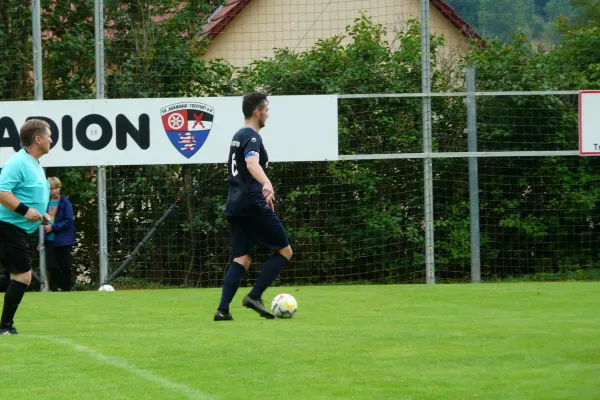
(101, 171)
(473, 177)
(44, 286)
(38, 95)
(427, 143)
(36, 37)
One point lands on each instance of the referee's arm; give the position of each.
(8, 200)
(9, 179)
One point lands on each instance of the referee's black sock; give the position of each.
(4, 282)
(268, 273)
(12, 299)
(231, 283)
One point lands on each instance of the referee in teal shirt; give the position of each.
(24, 196)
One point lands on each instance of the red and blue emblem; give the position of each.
(187, 125)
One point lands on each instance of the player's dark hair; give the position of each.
(31, 129)
(251, 102)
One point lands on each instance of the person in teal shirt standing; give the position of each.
(24, 196)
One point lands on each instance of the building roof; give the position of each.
(224, 15)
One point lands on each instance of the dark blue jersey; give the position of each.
(245, 192)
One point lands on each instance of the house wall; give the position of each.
(298, 24)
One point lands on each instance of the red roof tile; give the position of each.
(226, 14)
(448, 12)
(223, 17)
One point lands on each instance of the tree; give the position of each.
(151, 49)
(16, 60)
(589, 13)
(550, 203)
(502, 17)
(375, 204)
(160, 41)
(364, 218)
(467, 9)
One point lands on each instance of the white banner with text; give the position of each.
(171, 130)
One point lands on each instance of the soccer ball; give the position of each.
(106, 288)
(284, 306)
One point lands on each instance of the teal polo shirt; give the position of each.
(24, 177)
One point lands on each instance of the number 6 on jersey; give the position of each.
(234, 170)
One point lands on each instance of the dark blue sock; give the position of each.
(268, 273)
(231, 283)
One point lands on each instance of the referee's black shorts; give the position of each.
(261, 228)
(14, 249)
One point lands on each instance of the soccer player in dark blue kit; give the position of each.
(250, 212)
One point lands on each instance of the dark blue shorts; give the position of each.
(262, 228)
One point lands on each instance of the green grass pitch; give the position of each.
(488, 341)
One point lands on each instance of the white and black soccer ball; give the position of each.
(284, 306)
(106, 288)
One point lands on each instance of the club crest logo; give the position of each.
(187, 125)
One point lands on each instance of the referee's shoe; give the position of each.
(9, 330)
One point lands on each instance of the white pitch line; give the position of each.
(189, 392)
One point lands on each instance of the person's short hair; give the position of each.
(54, 182)
(31, 129)
(251, 102)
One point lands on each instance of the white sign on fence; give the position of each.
(171, 131)
(589, 122)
